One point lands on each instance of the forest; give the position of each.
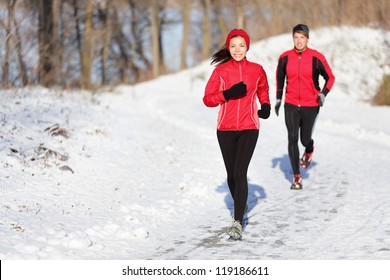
(90, 44)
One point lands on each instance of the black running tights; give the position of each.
(299, 119)
(237, 148)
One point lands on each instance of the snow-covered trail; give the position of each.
(331, 218)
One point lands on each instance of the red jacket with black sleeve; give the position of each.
(302, 71)
(237, 113)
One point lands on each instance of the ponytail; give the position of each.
(221, 56)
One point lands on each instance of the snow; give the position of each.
(136, 173)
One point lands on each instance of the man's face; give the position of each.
(300, 41)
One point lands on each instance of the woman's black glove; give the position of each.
(235, 91)
(265, 111)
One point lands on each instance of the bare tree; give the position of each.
(77, 25)
(206, 44)
(186, 9)
(19, 49)
(123, 60)
(87, 47)
(140, 24)
(11, 5)
(240, 11)
(48, 53)
(155, 34)
(220, 18)
(104, 10)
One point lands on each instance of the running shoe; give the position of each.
(306, 159)
(297, 183)
(235, 231)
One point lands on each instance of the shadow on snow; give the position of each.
(285, 166)
(255, 193)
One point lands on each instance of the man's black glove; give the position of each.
(321, 99)
(265, 111)
(235, 91)
(277, 106)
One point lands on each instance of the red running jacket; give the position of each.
(302, 71)
(240, 113)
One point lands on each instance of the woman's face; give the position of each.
(300, 41)
(237, 48)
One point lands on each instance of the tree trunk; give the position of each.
(77, 25)
(206, 45)
(139, 54)
(22, 64)
(123, 59)
(87, 48)
(186, 9)
(105, 17)
(155, 27)
(5, 76)
(48, 52)
(240, 15)
(221, 21)
(61, 48)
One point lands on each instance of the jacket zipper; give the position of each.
(299, 80)
(239, 100)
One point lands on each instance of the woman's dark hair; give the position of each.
(221, 56)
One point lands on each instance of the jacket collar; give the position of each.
(237, 63)
(298, 53)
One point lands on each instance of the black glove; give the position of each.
(277, 106)
(235, 91)
(265, 111)
(321, 99)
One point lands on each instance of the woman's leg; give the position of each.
(245, 147)
(237, 148)
(228, 144)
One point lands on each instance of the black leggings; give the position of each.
(237, 148)
(299, 119)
